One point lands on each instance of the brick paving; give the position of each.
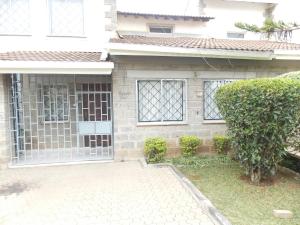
(102, 193)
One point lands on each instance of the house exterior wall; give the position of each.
(141, 24)
(4, 123)
(99, 18)
(129, 137)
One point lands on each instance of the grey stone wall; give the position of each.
(4, 123)
(129, 136)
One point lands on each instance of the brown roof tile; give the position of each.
(207, 43)
(54, 56)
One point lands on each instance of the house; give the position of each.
(93, 83)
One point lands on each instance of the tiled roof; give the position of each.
(207, 43)
(53, 56)
(167, 16)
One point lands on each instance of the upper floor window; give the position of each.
(235, 35)
(161, 100)
(160, 29)
(14, 17)
(66, 17)
(211, 111)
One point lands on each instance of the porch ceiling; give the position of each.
(56, 62)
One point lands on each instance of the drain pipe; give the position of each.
(17, 101)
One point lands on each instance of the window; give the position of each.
(161, 100)
(66, 17)
(211, 111)
(14, 17)
(160, 29)
(55, 100)
(235, 35)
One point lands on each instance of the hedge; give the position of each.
(260, 114)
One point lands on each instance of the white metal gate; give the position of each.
(60, 118)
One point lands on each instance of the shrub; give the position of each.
(189, 145)
(292, 75)
(221, 144)
(260, 114)
(155, 149)
(294, 138)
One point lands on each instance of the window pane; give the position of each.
(56, 106)
(66, 17)
(14, 17)
(173, 103)
(235, 35)
(211, 111)
(160, 29)
(149, 103)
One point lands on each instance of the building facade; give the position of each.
(95, 82)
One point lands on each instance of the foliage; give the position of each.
(189, 145)
(155, 149)
(260, 114)
(292, 75)
(280, 29)
(294, 138)
(221, 143)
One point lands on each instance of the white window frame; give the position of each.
(29, 28)
(52, 34)
(165, 123)
(216, 121)
(169, 26)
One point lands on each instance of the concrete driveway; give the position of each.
(100, 193)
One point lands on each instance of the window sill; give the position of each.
(142, 124)
(214, 122)
(66, 36)
(17, 35)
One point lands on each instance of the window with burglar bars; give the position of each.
(66, 17)
(161, 100)
(211, 111)
(55, 99)
(14, 17)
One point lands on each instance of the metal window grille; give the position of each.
(14, 17)
(66, 17)
(55, 98)
(59, 118)
(161, 100)
(211, 111)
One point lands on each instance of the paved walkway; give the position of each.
(103, 193)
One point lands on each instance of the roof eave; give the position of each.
(46, 67)
(153, 50)
(287, 54)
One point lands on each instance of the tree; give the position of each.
(278, 29)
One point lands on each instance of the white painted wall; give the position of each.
(140, 24)
(226, 13)
(288, 11)
(93, 40)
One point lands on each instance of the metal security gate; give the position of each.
(60, 118)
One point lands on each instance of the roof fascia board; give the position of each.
(287, 54)
(152, 50)
(38, 67)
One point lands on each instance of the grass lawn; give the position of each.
(222, 181)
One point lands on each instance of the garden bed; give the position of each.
(222, 181)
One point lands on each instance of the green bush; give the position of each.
(221, 144)
(189, 145)
(260, 114)
(293, 140)
(292, 75)
(155, 149)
